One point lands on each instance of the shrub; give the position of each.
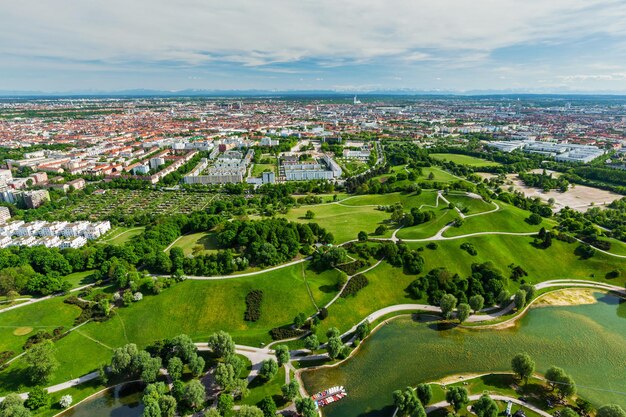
(66, 401)
(253, 305)
(280, 333)
(613, 274)
(469, 248)
(432, 245)
(354, 285)
(137, 296)
(323, 314)
(352, 267)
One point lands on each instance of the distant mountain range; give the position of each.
(295, 93)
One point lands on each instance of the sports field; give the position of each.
(463, 159)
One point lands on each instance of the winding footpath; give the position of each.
(496, 397)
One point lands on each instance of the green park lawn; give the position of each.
(508, 219)
(463, 160)
(197, 244)
(469, 205)
(443, 217)
(556, 262)
(439, 174)
(78, 279)
(120, 235)
(43, 315)
(196, 308)
(386, 287)
(343, 222)
(257, 169)
(408, 201)
(260, 389)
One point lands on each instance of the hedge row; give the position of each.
(352, 267)
(355, 284)
(253, 305)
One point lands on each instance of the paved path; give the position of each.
(36, 300)
(494, 397)
(255, 355)
(66, 384)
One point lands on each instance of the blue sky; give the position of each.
(345, 45)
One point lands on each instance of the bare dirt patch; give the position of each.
(22, 331)
(577, 197)
(567, 297)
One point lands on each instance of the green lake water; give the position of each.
(588, 341)
(121, 401)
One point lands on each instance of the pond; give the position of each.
(120, 401)
(588, 341)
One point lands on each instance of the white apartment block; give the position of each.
(5, 214)
(52, 229)
(5, 241)
(74, 229)
(29, 229)
(75, 243)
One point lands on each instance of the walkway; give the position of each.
(494, 397)
(36, 300)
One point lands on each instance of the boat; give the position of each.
(329, 396)
(327, 392)
(331, 399)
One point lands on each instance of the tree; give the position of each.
(566, 386)
(150, 367)
(122, 358)
(224, 375)
(362, 236)
(41, 362)
(447, 303)
(37, 398)
(282, 354)
(520, 299)
(175, 368)
(196, 365)
(463, 312)
(554, 375)
(13, 406)
(167, 404)
(306, 407)
(457, 397)
(269, 369)
(194, 395)
(584, 406)
(568, 412)
(363, 330)
(424, 393)
(151, 408)
(249, 411)
(476, 302)
(309, 215)
(311, 342)
(504, 298)
(290, 390)
(240, 388)
(268, 406)
(225, 404)
(334, 346)
(523, 365)
(212, 412)
(66, 401)
(611, 410)
(221, 344)
(530, 291)
(485, 407)
(406, 400)
(380, 230)
(300, 320)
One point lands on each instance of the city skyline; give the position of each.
(561, 47)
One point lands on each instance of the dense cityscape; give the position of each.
(338, 208)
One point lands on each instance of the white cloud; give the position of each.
(256, 33)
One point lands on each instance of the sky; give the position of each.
(534, 46)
